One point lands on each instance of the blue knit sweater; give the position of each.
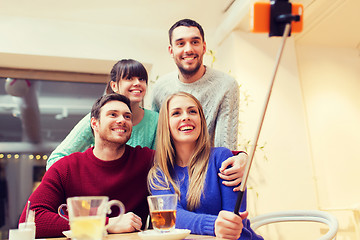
(216, 197)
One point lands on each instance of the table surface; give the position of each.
(135, 236)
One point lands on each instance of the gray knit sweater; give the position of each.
(219, 95)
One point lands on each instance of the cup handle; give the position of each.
(121, 210)
(60, 211)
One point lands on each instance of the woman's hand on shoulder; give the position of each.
(228, 225)
(129, 222)
(233, 174)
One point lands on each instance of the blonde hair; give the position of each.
(165, 156)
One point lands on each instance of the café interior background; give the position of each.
(310, 138)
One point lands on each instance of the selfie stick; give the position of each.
(251, 157)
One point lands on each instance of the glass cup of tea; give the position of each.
(87, 216)
(163, 212)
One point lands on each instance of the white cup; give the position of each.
(21, 234)
(28, 225)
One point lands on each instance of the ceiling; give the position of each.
(334, 23)
(329, 22)
(138, 14)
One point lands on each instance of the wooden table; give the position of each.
(134, 236)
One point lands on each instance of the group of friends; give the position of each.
(193, 127)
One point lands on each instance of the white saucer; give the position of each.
(175, 234)
(67, 233)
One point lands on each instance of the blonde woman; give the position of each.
(186, 164)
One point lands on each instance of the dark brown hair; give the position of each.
(186, 23)
(126, 68)
(101, 101)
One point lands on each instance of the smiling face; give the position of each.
(184, 120)
(187, 48)
(114, 124)
(132, 87)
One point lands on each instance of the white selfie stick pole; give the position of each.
(252, 153)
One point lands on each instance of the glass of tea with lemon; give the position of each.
(163, 212)
(87, 216)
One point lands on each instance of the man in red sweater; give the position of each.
(110, 168)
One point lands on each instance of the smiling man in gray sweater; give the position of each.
(217, 92)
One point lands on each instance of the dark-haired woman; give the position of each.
(127, 77)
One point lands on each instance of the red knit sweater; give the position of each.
(82, 174)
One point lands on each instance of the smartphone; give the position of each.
(260, 17)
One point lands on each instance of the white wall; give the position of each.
(49, 44)
(310, 131)
(282, 179)
(74, 40)
(330, 78)
(331, 84)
